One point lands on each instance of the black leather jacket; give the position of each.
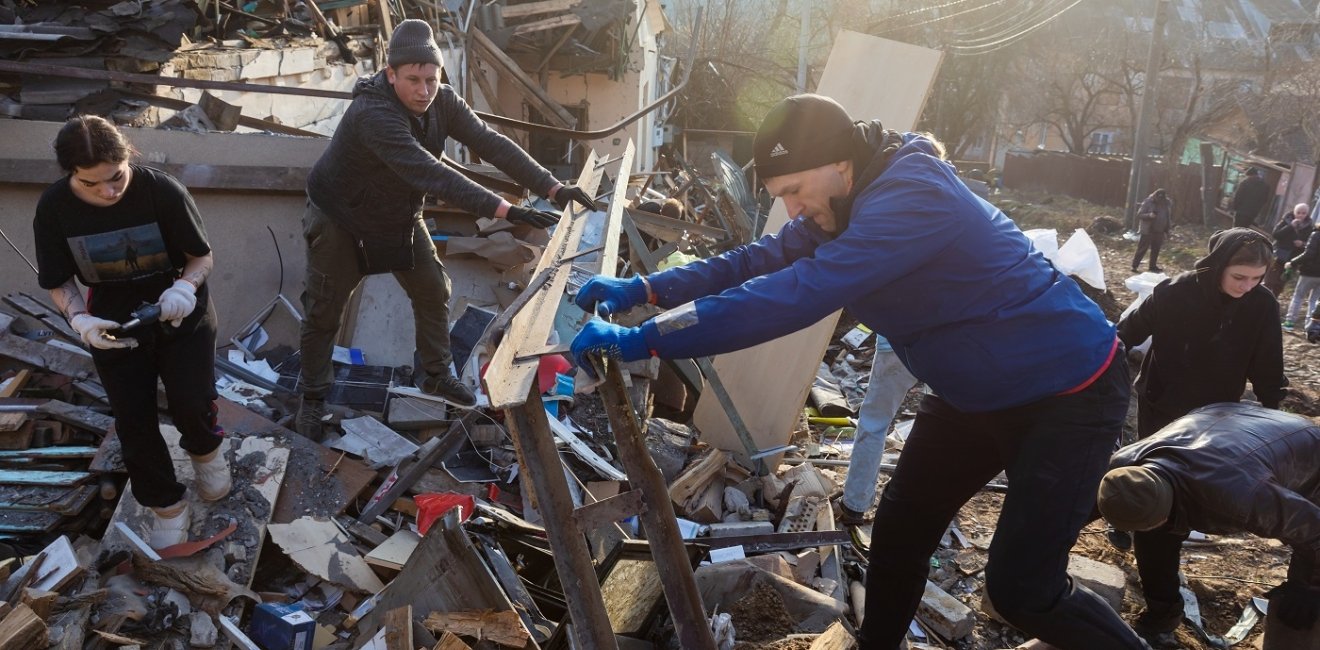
(1240, 468)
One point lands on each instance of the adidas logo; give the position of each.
(779, 150)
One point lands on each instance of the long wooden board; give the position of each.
(508, 381)
(872, 78)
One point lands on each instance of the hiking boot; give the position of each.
(1158, 620)
(1121, 539)
(1156, 269)
(310, 422)
(1288, 326)
(447, 387)
(212, 472)
(850, 517)
(169, 525)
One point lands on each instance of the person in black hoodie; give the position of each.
(1251, 195)
(364, 201)
(1154, 221)
(1212, 330)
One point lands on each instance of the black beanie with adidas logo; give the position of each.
(802, 132)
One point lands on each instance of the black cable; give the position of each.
(279, 257)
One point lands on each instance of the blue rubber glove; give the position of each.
(611, 295)
(624, 343)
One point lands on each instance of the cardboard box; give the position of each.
(282, 626)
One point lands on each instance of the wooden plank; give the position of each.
(22, 629)
(37, 309)
(398, 629)
(531, 92)
(28, 522)
(49, 453)
(444, 574)
(16, 383)
(508, 380)
(41, 477)
(505, 628)
(78, 416)
(769, 382)
(835, 638)
(544, 24)
(40, 355)
(670, 229)
(60, 500)
(10, 422)
(533, 8)
(609, 258)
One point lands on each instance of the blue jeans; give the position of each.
(890, 382)
(1054, 452)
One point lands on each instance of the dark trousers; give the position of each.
(1158, 554)
(183, 359)
(1151, 241)
(333, 275)
(1054, 452)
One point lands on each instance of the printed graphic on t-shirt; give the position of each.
(121, 255)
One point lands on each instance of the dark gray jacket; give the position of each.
(1240, 468)
(383, 160)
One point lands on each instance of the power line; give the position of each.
(999, 21)
(1005, 42)
(938, 19)
(923, 9)
(1024, 19)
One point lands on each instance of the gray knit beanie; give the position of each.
(413, 42)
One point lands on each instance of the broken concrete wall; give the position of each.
(313, 64)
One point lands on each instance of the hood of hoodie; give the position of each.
(1223, 245)
(377, 85)
(872, 147)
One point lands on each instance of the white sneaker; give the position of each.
(212, 472)
(169, 526)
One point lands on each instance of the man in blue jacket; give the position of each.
(1027, 373)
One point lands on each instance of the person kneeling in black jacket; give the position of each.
(1223, 469)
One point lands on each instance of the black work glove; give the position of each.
(1295, 603)
(576, 194)
(531, 217)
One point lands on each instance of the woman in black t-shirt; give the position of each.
(132, 235)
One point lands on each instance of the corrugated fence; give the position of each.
(1103, 179)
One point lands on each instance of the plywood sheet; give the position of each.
(872, 78)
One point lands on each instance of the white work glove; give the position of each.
(177, 302)
(93, 332)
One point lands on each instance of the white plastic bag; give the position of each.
(1142, 284)
(1046, 240)
(1078, 256)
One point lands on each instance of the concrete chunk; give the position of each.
(946, 615)
(1106, 580)
(202, 630)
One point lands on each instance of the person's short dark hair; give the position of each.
(802, 132)
(649, 206)
(1161, 194)
(89, 140)
(672, 208)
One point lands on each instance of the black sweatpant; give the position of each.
(183, 358)
(1152, 242)
(1054, 452)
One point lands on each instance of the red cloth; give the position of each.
(431, 507)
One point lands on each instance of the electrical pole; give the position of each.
(1148, 101)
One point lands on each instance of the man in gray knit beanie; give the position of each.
(365, 198)
(413, 42)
